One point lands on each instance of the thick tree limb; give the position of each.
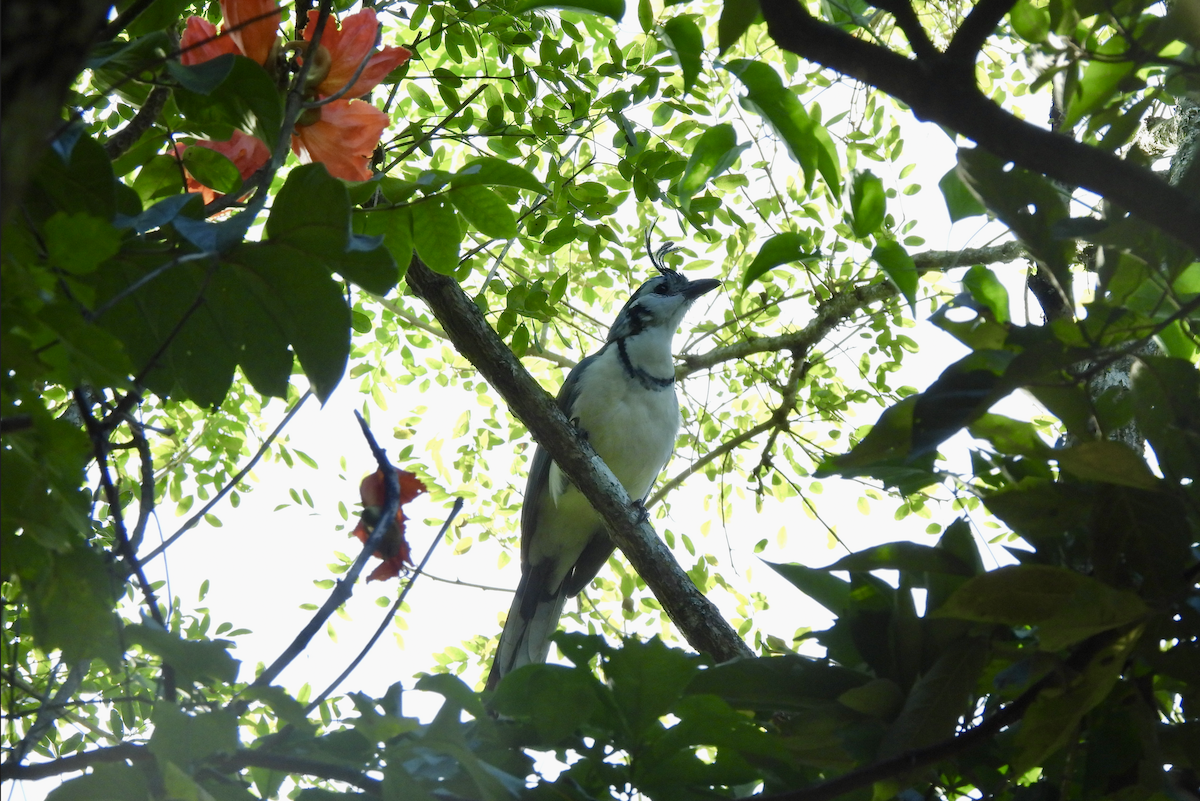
(695, 616)
(939, 91)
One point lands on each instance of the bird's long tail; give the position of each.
(532, 619)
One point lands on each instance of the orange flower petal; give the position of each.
(200, 43)
(247, 153)
(348, 44)
(343, 139)
(253, 25)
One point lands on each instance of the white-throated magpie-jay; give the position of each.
(622, 398)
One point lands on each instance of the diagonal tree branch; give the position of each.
(938, 92)
(695, 616)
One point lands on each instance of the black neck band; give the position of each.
(645, 379)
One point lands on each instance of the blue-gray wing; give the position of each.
(538, 484)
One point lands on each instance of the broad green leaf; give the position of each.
(779, 249)
(963, 392)
(1024, 201)
(609, 8)
(43, 491)
(714, 153)
(212, 169)
(687, 43)
(829, 591)
(880, 698)
(780, 107)
(1099, 80)
(1015, 437)
(868, 203)
(485, 210)
(79, 243)
(903, 556)
(111, 782)
(80, 181)
(71, 606)
(246, 100)
(646, 679)
(183, 739)
(193, 660)
(778, 683)
(436, 234)
(1032, 23)
(202, 78)
(1052, 719)
(940, 697)
(1066, 606)
(556, 700)
(84, 352)
(736, 18)
(987, 290)
(1107, 461)
(1167, 399)
(495, 172)
(395, 226)
(897, 265)
(961, 203)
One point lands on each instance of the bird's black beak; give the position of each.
(699, 287)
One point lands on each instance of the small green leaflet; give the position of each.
(715, 152)
(686, 41)
(898, 266)
(609, 8)
(779, 249)
(867, 203)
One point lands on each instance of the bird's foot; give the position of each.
(579, 429)
(643, 513)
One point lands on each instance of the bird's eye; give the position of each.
(661, 289)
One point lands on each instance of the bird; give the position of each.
(622, 400)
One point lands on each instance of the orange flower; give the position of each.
(247, 153)
(253, 39)
(394, 549)
(348, 44)
(343, 139)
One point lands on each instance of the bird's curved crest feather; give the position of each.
(657, 256)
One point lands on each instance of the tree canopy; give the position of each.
(207, 206)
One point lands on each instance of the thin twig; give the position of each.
(412, 148)
(233, 482)
(387, 619)
(344, 587)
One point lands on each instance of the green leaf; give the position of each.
(964, 391)
(246, 100)
(1014, 437)
(897, 265)
(1024, 201)
(485, 210)
(202, 78)
(940, 697)
(556, 700)
(961, 203)
(436, 234)
(212, 169)
(85, 353)
(1167, 399)
(43, 490)
(786, 683)
(646, 679)
(1066, 606)
(1053, 717)
(395, 226)
(1099, 80)
(496, 172)
(714, 153)
(71, 604)
(1032, 23)
(868, 203)
(183, 739)
(779, 249)
(780, 107)
(1107, 461)
(687, 43)
(609, 8)
(312, 213)
(987, 290)
(79, 243)
(193, 660)
(829, 591)
(904, 556)
(736, 18)
(110, 782)
(80, 181)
